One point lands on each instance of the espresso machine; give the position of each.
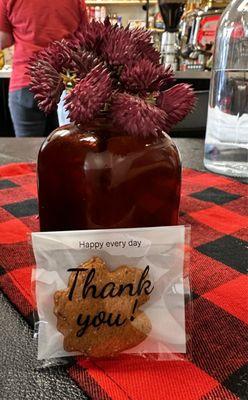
(171, 11)
(197, 35)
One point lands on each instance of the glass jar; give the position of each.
(226, 145)
(94, 177)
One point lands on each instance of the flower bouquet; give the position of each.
(111, 69)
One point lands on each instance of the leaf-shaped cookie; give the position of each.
(98, 313)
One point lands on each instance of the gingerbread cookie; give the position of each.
(98, 313)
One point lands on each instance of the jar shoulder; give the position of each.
(96, 145)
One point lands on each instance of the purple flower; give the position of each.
(144, 45)
(90, 37)
(177, 101)
(46, 84)
(145, 77)
(137, 117)
(67, 56)
(89, 96)
(115, 69)
(119, 48)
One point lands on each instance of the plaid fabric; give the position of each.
(216, 207)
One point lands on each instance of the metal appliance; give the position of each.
(197, 35)
(171, 11)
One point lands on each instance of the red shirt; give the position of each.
(34, 24)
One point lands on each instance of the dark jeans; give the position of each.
(27, 119)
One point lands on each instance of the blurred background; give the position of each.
(183, 31)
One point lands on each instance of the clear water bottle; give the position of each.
(226, 145)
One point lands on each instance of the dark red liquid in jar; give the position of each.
(95, 178)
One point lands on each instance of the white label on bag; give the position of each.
(158, 251)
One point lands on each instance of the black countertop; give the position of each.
(26, 149)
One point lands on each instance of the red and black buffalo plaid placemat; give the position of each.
(216, 207)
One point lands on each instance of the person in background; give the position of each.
(31, 25)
